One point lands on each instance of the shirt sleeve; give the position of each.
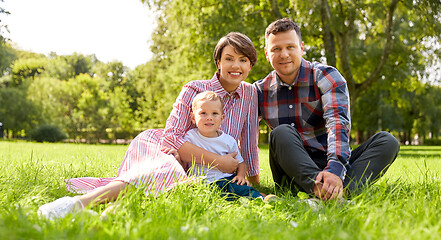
(335, 100)
(179, 121)
(249, 136)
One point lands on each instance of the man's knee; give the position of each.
(389, 141)
(284, 133)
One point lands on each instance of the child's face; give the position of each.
(208, 116)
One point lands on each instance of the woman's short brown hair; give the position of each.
(240, 42)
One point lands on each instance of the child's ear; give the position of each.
(193, 120)
(223, 116)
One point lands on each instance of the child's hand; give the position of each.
(241, 180)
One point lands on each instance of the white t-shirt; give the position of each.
(221, 145)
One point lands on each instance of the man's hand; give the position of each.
(241, 180)
(328, 186)
(227, 163)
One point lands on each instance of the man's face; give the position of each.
(284, 51)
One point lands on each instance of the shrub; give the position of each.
(432, 141)
(47, 133)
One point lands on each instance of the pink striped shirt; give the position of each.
(240, 120)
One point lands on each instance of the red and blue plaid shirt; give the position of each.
(317, 105)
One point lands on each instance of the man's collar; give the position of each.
(276, 81)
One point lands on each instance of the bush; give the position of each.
(432, 141)
(47, 133)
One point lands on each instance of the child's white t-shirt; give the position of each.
(221, 145)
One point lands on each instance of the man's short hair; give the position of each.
(282, 25)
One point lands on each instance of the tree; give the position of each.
(17, 113)
(27, 68)
(7, 53)
(68, 66)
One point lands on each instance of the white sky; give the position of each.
(110, 29)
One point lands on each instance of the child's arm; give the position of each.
(240, 176)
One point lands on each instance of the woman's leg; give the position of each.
(65, 205)
(102, 194)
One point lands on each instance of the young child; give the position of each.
(207, 115)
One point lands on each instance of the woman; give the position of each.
(147, 164)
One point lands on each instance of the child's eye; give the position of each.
(244, 60)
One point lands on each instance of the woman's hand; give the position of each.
(227, 163)
(171, 151)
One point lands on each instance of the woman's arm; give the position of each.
(249, 137)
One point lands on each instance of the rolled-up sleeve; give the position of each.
(179, 121)
(248, 141)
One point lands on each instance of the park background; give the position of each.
(388, 51)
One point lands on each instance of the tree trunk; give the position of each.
(328, 37)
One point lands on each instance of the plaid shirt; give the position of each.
(317, 105)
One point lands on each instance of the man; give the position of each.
(306, 104)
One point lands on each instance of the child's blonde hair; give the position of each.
(209, 96)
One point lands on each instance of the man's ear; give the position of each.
(266, 54)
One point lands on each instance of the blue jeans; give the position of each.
(233, 191)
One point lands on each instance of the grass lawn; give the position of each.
(404, 204)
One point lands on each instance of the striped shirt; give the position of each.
(317, 105)
(240, 120)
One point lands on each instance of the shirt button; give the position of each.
(290, 106)
(289, 88)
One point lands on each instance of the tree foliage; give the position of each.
(383, 48)
(375, 44)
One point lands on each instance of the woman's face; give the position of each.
(233, 67)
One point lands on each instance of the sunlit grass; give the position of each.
(404, 204)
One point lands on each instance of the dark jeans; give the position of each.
(295, 167)
(233, 190)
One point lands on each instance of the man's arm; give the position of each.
(336, 112)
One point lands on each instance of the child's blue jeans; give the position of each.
(233, 191)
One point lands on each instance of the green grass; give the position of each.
(404, 204)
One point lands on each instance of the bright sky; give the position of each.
(110, 29)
